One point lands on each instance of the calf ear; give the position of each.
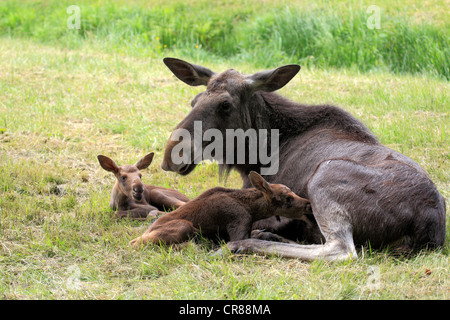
(191, 74)
(260, 183)
(145, 161)
(108, 164)
(272, 80)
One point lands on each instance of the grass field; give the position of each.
(67, 97)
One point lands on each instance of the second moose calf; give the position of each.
(134, 199)
(226, 213)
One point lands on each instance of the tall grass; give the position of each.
(263, 35)
(336, 40)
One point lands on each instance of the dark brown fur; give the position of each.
(360, 191)
(225, 213)
(134, 199)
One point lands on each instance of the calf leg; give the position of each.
(140, 213)
(171, 232)
(331, 250)
(239, 230)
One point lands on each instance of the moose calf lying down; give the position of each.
(226, 213)
(134, 199)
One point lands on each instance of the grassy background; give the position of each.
(68, 95)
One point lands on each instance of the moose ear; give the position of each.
(145, 161)
(260, 183)
(108, 164)
(272, 80)
(191, 74)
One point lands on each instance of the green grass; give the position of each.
(66, 98)
(409, 40)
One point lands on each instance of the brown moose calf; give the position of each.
(134, 199)
(226, 213)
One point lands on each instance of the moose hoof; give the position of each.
(235, 247)
(136, 243)
(223, 253)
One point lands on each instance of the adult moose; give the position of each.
(360, 191)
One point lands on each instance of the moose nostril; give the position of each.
(165, 166)
(183, 168)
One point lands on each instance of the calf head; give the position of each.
(129, 177)
(281, 200)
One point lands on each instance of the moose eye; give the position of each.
(225, 106)
(124, 178)
(289, 199)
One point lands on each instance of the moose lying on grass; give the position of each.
(360, 191)
(134, 199)
(225, 213)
